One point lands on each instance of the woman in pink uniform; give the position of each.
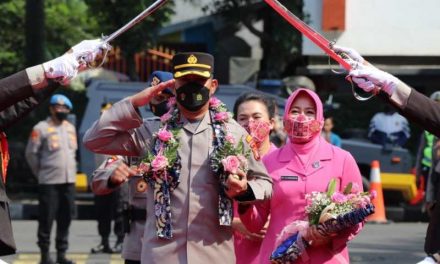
(305, 164)
(255, 112)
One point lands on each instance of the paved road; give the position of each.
(384, 244)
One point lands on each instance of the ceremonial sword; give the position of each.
(106, 39)
(153, 7)
(315, 37)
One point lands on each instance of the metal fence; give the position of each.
(157, 58)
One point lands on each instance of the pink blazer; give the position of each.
(291, 183)
(246, 251)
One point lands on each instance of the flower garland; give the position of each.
(161, 166)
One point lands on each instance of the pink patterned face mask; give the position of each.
(259, 130)
(301, 128)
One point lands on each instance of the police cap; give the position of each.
(197, 63)
(158, 77)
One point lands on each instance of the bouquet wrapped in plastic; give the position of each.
(332, 212)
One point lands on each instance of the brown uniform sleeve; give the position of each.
(119, 131)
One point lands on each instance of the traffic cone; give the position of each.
(378, 202)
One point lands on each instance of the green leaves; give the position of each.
(348, 188)
(331, 187)
(67, 23)
(11, 36)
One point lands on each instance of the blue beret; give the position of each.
(160, 76)
(59, 99)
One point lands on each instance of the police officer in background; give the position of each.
(108, 208)
(111, 174)
(50, 153)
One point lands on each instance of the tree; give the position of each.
(11, 37)
(114, 14)
(34, 30)
(63, 24)
(67, 23)
(280, 42)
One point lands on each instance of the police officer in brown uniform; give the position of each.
(111, 174)
(50, 153)
(110, 177)
(195, 227)
(108, 209)
(20, 93)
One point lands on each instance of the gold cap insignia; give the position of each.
(199, 97)
(192, 59)
(155, 81)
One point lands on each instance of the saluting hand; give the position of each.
(121, 174)
(144, 97)
(236, 184)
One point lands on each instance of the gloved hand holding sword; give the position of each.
(82, 55)
(366, 76)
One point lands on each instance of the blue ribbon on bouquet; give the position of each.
(291, 248)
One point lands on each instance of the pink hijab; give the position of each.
(311, 94)
(305, 150)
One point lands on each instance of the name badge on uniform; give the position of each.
(289, 178)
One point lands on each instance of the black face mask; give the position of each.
(193, 96)
(61, 116)
(160, 108)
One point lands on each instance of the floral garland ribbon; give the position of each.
(161, 167)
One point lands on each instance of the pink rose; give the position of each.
(363, 201)
(231, 164)
(214, 102)
(230, 138)
(171, 102)
(222, 116)
(351, 197)
(143, 167)
(164, 135)
(160, 162)
(355, 188)
(165, 117)
(339, 198)
(243, 161)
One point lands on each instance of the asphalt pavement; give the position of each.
(377, 243)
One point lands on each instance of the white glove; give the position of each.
(66, 67)
(349, 55)
(370, 77)
(87, 50)
(62, 69)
